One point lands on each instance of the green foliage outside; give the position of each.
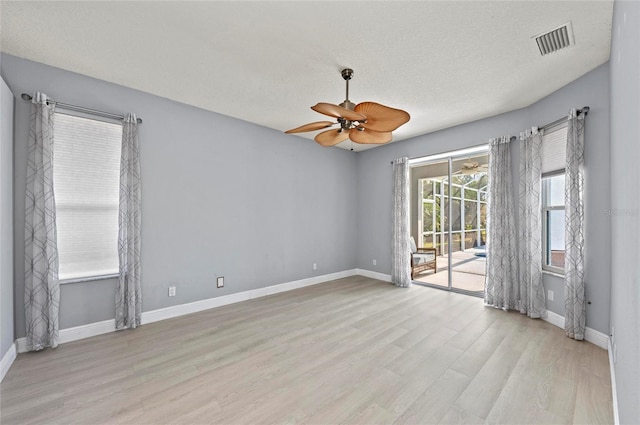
(431, 188)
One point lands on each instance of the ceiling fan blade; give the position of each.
(380, 117)
(311, 127)
(338, 112)
(331, 137)
(369, 137)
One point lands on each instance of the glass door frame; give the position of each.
(449, 157)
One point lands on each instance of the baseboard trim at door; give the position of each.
(7, 360)
(374, 275)
(593, 336)
(196, 306)
(106, 326)
(614, 391)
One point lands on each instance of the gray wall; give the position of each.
(221, 196)
(625, 206)
(591, 90)
(374, 182)
(6, 218)
(225, 197)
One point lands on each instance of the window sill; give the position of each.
(88, 279)
(550, 273)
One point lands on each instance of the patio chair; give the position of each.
(422, 259)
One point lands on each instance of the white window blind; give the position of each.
(86, 178)
(554, 148)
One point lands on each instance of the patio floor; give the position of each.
(468, 271)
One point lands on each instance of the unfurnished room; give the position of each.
(320, 212)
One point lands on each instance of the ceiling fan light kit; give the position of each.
(364, 123)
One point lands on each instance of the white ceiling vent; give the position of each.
(556, 39)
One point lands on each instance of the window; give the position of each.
(86, 175)
(553, 223)
(553, 159)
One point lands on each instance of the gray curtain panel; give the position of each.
(532, 299)
(501, 288)
(41, 286)
(128, 291)
(574, 288)
(400, 268)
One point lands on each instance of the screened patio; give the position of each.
(464, 208)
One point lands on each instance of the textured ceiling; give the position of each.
(446, 63)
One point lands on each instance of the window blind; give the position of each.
(554, 148)
(86, 176)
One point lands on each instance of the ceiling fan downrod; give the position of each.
(347, 74)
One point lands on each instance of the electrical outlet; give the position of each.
(220, 282)
(550, 295)
(315, 266)
(375, 262)
(172, 291)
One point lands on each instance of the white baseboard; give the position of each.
(597, 338)
(555, 319)
(7, 360)
(106, 326)
(76, 333)
(194, 307)
(614, 391)
(373, 275)
(591, 335)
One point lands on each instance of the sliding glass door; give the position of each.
(449, 209)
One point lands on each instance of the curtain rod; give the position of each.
(76, 108)
(457, 150)
(584, 110)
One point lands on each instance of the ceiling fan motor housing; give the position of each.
(347, 104)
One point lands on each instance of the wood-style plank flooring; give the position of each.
(355, 350)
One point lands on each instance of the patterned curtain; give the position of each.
(400, 268)
(532, 299)
(574, 288)
(501, 289)
(128, 291)
(41, 286)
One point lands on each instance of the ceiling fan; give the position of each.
(365, 123)
(473, 167)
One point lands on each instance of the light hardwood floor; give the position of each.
(355, 350)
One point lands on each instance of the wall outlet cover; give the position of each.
(315, 266)
(550, 295)
(220, 282)
(172, 291)
(375, 262)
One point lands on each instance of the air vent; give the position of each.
(556, 39)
